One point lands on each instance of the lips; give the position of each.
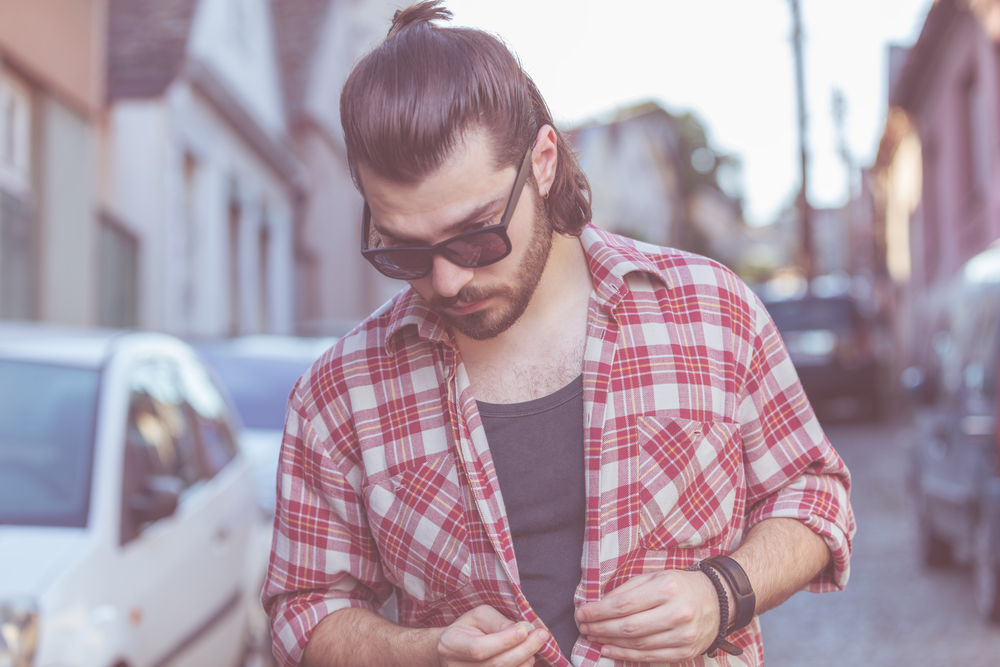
(465, 309)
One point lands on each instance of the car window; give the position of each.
(215, 435)
(159, 437)
(259, 386)
(47, 420)
(812, 314)
(160, 423)
(980, 370)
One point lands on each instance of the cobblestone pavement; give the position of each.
(894, 611)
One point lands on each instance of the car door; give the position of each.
(178, 575)
(959, 441)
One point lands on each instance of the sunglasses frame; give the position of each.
(500, 229)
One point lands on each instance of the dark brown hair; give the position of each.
(411, 99)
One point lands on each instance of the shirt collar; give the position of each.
(610, 257)
(409, 308)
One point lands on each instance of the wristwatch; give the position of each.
(743, 596)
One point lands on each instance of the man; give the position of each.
(536, 441)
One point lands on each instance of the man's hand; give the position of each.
(484, 636)
(668, 616)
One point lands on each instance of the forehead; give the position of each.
(468, 179)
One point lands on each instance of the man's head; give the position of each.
(446, 136)
(408, 104)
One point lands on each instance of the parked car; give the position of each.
(259, 373)
(126, 509)
(831, 345)
(954, 463)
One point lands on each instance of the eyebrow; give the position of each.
(450, 230)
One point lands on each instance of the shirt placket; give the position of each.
(599, 358)
(473, 452)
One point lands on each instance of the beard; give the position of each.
(512, 300)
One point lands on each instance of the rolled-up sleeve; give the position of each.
(792, 469)
(323, 557)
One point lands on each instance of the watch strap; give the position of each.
(744, 598)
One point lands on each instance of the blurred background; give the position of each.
(178, 166)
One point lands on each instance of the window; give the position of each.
(972, 138)
(159, 439)
(18, 227)
(930, 239)
(15, 132)
(178, 429)
(264, 274)
(189, 277)
(981, 366)
(47, 419)
(119, 275)
(217, 443)
(18, 277)
(235, 213)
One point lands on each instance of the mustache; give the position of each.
(468, 294)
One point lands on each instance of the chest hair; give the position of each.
(530, 376)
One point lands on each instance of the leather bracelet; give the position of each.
(720, 639)
(743, 596)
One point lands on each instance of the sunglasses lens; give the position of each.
(477, 249)
(403, 264)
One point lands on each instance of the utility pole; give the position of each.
(838, 104)
(806, 253)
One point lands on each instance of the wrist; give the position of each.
(744, 601)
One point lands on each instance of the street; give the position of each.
(894, 610)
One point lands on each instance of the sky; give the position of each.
(730, 63)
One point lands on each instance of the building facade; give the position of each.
(937, 173)
(654, 178)
(319, 41)
(51, 99)
(201, 185)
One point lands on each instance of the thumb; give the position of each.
(489, 620)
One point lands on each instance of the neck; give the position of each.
(546, 342)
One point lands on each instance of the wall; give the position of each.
(67, 217)
(59, 42)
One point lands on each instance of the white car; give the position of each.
(126, 509)
(259, 373)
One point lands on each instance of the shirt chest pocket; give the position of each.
(417, 517)
(690, 480)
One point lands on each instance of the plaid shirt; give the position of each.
(696, 428)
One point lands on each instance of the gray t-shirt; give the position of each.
(537, 449)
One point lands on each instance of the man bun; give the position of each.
(419, 12)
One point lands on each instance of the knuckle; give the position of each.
(629, 630)
(623, 605)
(688, 636)
(685, 615)
(670, 586)
(478, 653)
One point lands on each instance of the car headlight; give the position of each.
(18, 632)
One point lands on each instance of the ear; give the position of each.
(545, 159)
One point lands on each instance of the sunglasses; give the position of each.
(472, 249)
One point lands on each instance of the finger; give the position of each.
(668, 639)
(470, 645)
(530, 662)
(620, 603)
(668, 655)
(523, 653)
(641, 624)
(489, 620)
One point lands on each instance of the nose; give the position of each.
(447, 278)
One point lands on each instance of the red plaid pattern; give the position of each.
(696, 428)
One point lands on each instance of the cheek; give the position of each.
(423, 287)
